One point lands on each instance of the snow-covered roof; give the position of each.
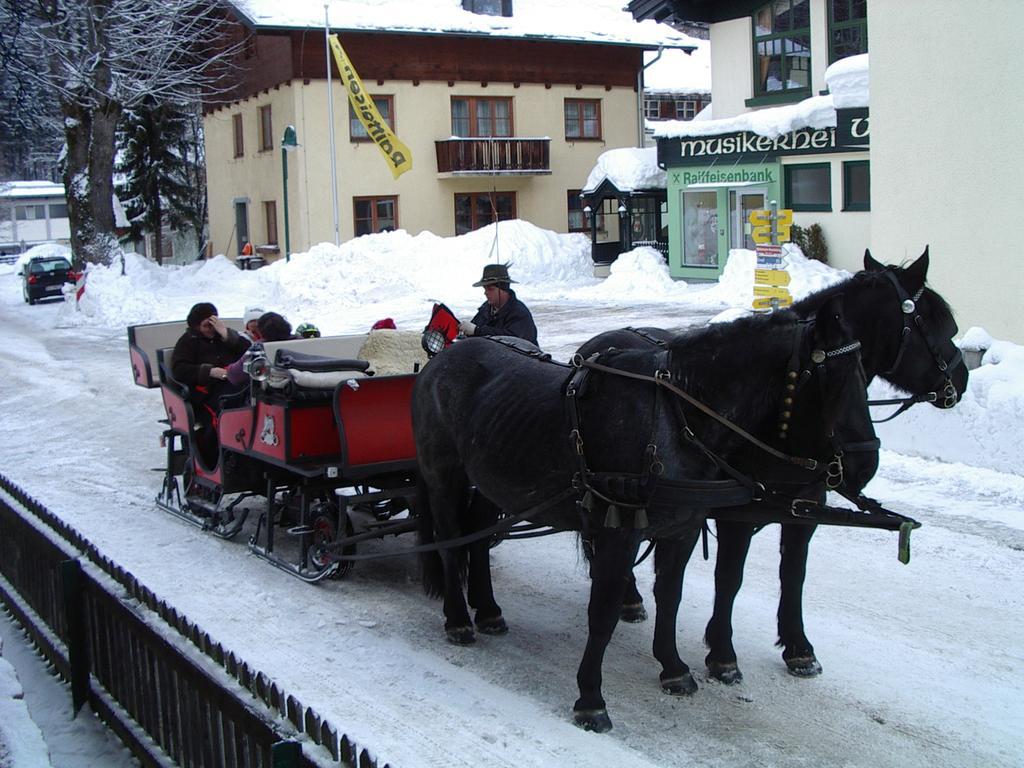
(629, 169)
(679, 72)
(595, 21)
(848, 87)
(23, 189)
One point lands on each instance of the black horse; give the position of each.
(533, 437)
(906, 331)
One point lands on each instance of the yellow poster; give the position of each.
(398, 156)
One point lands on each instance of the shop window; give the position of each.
(857, 185)
(270, 216)
(488, 7)
(847, 28)
(583, 118)
(236, 127)
(265, 129)
(782, 48)
(478, 209)
(474, 117)
(385, 105)
(809, 187)
(375, 214)
(579, 219)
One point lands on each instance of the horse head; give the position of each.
(824, 412)
(913, 346)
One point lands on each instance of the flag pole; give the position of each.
(330, 120)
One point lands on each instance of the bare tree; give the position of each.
(100, 57)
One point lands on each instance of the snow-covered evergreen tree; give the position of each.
(161, 171)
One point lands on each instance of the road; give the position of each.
(923, 663)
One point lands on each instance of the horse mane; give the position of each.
(865, 279)
(738, 367)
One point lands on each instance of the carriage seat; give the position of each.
(294, 372)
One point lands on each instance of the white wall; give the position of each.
(847, 233)
(947, 110)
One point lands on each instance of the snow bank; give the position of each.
(346, 289)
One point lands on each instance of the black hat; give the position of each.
(493, 274)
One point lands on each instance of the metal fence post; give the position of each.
(286, 754)
(78, 650)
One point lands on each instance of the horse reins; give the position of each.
(908, 309)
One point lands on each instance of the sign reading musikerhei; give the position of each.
(749, 147)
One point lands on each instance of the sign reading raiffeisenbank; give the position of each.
(398, 156)
(746, 147)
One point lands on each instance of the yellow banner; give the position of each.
(398, 156)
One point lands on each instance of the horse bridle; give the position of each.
(795, 380)
(912, 319)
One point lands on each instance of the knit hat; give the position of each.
(252, 313)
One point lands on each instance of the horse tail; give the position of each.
(431, 567)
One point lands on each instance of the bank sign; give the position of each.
(747, 147)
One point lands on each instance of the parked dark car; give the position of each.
(44, 277)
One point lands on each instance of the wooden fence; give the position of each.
(157, 679)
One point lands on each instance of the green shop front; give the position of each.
(714, 182)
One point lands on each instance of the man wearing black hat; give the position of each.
(502, 314)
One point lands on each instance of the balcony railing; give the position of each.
(493, 156)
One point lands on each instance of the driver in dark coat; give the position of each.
(502, 314)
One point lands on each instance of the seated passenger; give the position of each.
(251, 318)
(200, 361)
(269, 327)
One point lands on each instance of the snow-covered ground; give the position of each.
(923, 663)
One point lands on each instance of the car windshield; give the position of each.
(50, 265)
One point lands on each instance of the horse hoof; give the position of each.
(595, 720)
(684, 685)
(493, 626)
(633, 614)
(803, 666)
(460, 635)
(725, 673)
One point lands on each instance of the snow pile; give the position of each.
(640, 272)
(848, 82)
(848, 85)
(629, 169)
(735, 288)
(679, 72)
(346, 289)
(343, 289)
(21, 742)
(983, 429)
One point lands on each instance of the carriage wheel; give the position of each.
(325, 531)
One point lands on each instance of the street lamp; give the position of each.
(288, 142)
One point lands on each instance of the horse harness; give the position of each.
(912, 319)
(622, 495)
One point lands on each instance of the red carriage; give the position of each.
(322, 436)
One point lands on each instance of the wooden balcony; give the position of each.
(509, 156)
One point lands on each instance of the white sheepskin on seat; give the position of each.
(391, 352)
